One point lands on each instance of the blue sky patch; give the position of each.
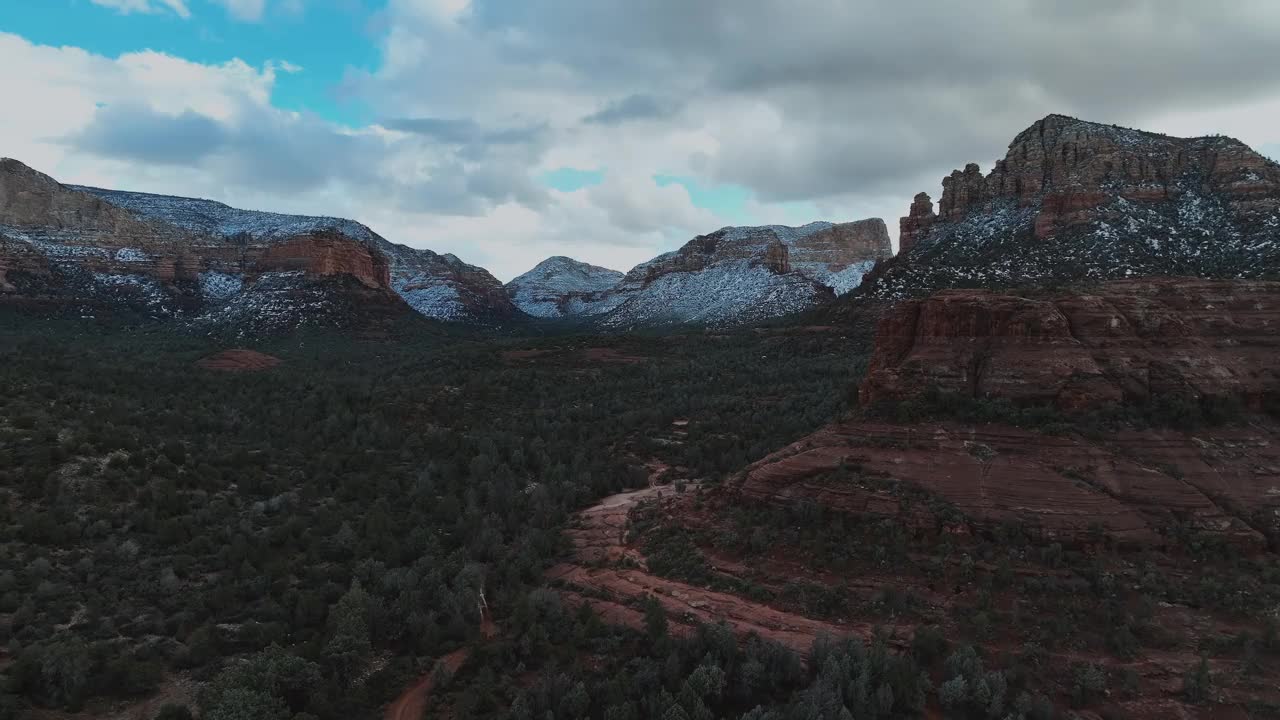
(567, 179)
(324, 40)
(733, 202)
(727, 201)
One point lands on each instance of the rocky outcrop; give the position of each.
(1133, 488)
(917, 222)
(1074, 200)
(563, 287)
(1121, 343)
(202, 261)
(828, 254)
(325, 252)
(1125, 341)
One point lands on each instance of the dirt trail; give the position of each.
(413, 701)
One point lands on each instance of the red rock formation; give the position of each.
(912, 227)
(844, 244)
(1130, 487)
(777, 258)
(49, 220)
(324, 254)
(1127, 339)
(961, 191)
(1069, 167)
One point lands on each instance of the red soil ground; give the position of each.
(238, 360)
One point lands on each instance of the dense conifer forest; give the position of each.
(301, 541)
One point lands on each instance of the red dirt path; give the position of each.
(413, 701)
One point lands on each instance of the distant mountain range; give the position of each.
(207, 264)
(210, 265)
(1071, 202)
(733, 275)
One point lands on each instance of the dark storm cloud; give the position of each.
(632, 107)
(263, 149)
(135, 132)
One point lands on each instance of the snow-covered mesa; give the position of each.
(730, 276)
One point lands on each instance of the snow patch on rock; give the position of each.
(727, 293)
(131, 255)
(220, 286)
(560, 287)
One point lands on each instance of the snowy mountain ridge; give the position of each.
(438, 286)
(561, 286)
(734, 275)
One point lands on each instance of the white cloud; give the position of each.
(242, 10)
(146, 6)
(639, 205)
(245, 10)
(871, 103)
(846, 118)
(152, 122)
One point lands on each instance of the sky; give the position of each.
(507, 131)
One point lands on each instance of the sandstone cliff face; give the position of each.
(1074, 200)
(1124, 341)
(203, 261)
(1073, 166)
(45, 227)
(32, 199)
(1134, 487)
(325, 253)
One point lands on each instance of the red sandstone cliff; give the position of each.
(1074, 200)
(1068, 167)
(1124, 341)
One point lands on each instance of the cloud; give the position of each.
(632, 107)
(150, 121)
(245, 10)
(827, 98)
(178, 7)
(640, 205)
(844, 108)
(136, 132)
(466, 132)
(242, 10)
